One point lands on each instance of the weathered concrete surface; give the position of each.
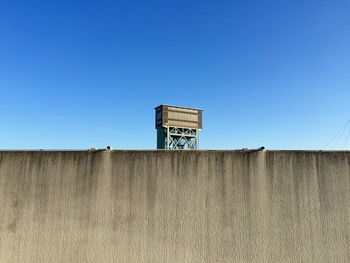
(156, 206)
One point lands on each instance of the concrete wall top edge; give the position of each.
(175, 151)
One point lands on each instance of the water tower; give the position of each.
(178, 127)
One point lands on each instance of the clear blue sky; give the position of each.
(78, 74)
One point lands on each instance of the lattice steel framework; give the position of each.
(173, 138)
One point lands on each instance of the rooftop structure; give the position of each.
(178, 127)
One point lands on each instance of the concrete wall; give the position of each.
(156, 206)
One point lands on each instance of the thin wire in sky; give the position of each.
(337, 136)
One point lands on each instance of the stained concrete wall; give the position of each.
(156, 206)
